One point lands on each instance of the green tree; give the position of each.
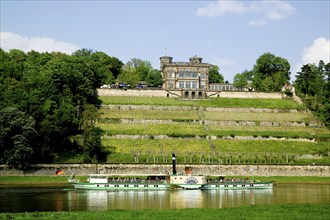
(128, 76)
(54, 90)
(106, 66)
(312, 85)
(143, 70)
(91, 135)
(240, 81)
(310, 80)
(141, 67)
(270, 73)
(17, 136)
(154, 78)
(214, 75)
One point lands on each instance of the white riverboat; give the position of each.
(221, 183)
(164, 182)
(121, 182)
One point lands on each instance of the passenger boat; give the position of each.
(120, 182)
(221, 183)
(163, 182)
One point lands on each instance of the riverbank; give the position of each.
(306, 211)
(61, 180)
(164, 169)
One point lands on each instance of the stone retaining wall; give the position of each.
(223, 123)
(192, 108)
(163, 93)
(135, 169)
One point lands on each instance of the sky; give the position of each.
(229, 34)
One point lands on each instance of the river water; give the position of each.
(30, 199)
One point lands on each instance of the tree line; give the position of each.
(48, 101)
(47, 105)
(271, 72)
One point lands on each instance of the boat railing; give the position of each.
(233, 181)
(137, 180)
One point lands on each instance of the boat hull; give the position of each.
(120, 186)
(187, 186)
(233, 186)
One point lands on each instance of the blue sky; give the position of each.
(230, 34)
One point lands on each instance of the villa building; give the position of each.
(191, 78)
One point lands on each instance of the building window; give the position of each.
(194, 85)
(181, 84)
(188, 84)
(187, 74)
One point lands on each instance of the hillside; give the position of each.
(218, 130)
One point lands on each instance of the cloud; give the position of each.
(276, 10)
(319, 50)
(268, 10)
(10, 40)
(220, 8)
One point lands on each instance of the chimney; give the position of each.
(174, 164)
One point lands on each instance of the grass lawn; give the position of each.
(60, 180)
(212, 102)
(276, 212)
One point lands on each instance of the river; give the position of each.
(33, 198)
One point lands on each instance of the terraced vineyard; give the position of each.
(219, 130)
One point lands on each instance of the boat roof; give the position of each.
(100, 175)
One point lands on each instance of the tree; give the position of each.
(128, 76)
(141, 67)
(91, 135)
(240, 81)
(154, 78)
(106, 66)
(270, 73)
(312, 84)
(310, 80)
(17, 136)
(53, 89)
(214, 75)
(137, 70)
(143, 70)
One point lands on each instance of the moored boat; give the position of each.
(121, 182)
(164, 182)
(222, 183)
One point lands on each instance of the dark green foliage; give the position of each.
(154, 78)
(214, 75)
(17, 134)
(51, 92)
(137, 71)
(270, 73)
(313, 87)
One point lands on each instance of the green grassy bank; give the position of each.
(212, 102)
(305, 211)
(60, 180)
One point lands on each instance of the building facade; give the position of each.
(221, 87)
(189, 77)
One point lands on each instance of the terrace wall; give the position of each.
(135, 169)
(163, 93)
